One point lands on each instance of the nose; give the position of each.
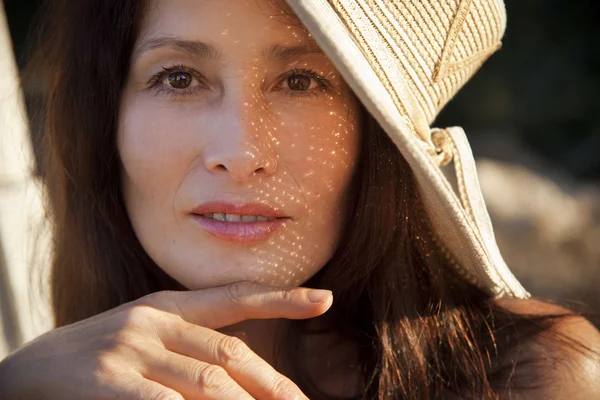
(242, 145)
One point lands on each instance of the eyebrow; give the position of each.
(282, 53)
(276, 52)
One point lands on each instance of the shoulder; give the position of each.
(571, 348)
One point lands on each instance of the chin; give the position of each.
(268, 279)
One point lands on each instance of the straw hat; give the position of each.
(405, 59)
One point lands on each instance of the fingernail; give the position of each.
(318, 296)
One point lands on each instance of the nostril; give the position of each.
(221, 167)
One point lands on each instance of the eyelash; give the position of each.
(155, 82)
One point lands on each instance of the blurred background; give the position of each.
(531, 115)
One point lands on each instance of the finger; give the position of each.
(244, 366)
(195, 380)
(227, 305)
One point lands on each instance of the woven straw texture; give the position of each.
(405, 59)
(437, 46)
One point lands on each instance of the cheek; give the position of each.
(323, 148)
(320, 150)
(153, 150)
(156, 156)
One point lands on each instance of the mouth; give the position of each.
(223, 217)
(238, 223)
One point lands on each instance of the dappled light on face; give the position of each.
(244, 172)
(316, 160)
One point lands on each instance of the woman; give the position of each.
(231, 220)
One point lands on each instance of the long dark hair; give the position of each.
(421, 330)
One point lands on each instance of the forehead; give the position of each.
(242, 23)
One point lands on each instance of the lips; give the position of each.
(218, 207)
(237, 217)
(238, 222)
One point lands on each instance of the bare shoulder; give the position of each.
(576, 374)
(575, 326)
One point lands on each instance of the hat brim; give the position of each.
(344, 41)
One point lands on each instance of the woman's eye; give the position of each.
(177, 81)
(303, 82)
(180, 80)
(299, 82)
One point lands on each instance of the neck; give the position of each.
(329, 361)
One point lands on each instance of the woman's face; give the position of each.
(238, 140)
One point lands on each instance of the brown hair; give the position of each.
(421, 330)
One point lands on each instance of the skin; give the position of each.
(239, 133)
(161, 346)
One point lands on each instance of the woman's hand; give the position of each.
(162, 346)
